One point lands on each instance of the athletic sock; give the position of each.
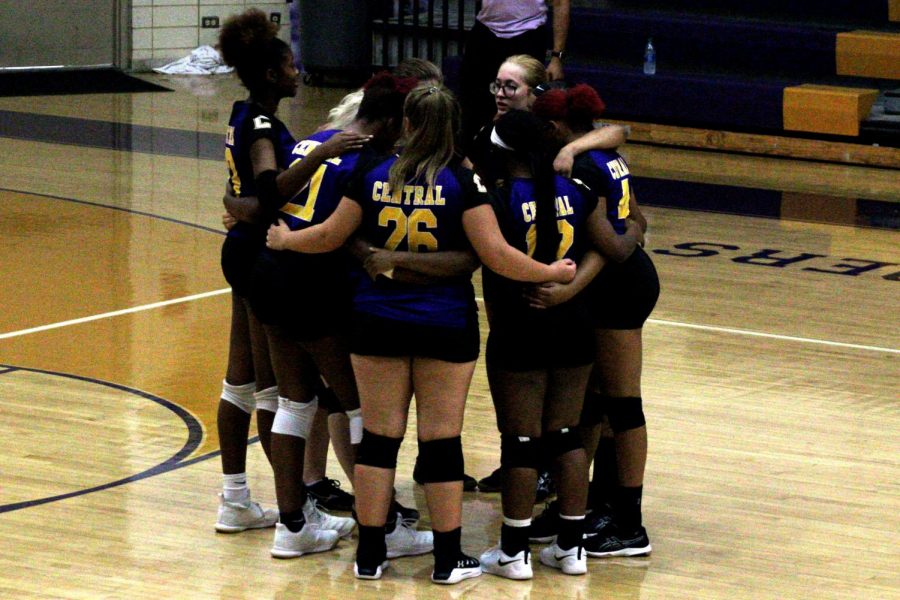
(628, 507)
(294, 520)
(447, 549)
(234, 488)
(514, 535)
(371, 550)
(390, 523)
(571, 531)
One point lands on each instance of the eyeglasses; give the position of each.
(509, 88)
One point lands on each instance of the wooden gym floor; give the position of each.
(771, 375)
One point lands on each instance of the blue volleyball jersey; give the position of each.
(249, 123)
(606, 173)
(516, 211)
(418, 218)
(315, 202)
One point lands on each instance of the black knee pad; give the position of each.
(625, 413)
(520, 452)
(328, 400)
(440, 460)
(378, 450)
(562, 441)
(593, 410)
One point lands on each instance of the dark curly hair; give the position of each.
(249, 42)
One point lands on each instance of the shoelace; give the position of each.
(318, 507)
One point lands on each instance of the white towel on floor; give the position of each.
(204, 60)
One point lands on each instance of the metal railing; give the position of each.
(429, 29)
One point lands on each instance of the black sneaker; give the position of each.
(328, 494)
(618, 543)
(492, 483)
(598, 522)
(409, 516)
(545, 487)
(545, 526)
(465, 567)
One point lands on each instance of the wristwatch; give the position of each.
(557, 54)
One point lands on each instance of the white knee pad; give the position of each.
(240, 395)
(267, 399)
(295, 418)
(356, 425)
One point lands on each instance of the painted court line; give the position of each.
(774, 336)
(154, 305)
(115, 313)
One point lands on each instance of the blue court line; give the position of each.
(109, 135)
(119, 208)
(176, 461)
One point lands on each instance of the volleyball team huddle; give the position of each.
(350, 254)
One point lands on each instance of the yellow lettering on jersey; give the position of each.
(233, 172)
(381, 192)
(529, 211)
(624, 207)
(304, 147)
(617, 168)
(438, 200)
(419, 196)
(408, 192)
(563, 207)
(566, 237)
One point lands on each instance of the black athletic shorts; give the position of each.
(623, 295)
(308, 296)
(376, 336)
(537, 339)
(238, 258)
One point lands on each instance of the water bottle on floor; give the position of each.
(650, 58)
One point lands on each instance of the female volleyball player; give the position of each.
(257, 148)
(538, 361)
(420, 338)
(621, 299)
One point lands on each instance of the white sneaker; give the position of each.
(315, 515)
(370, 573)
(306, 541)
(406, 541)
(496, 562)
(571, 562)
(239, 516)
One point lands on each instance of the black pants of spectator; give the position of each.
(484, 53)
